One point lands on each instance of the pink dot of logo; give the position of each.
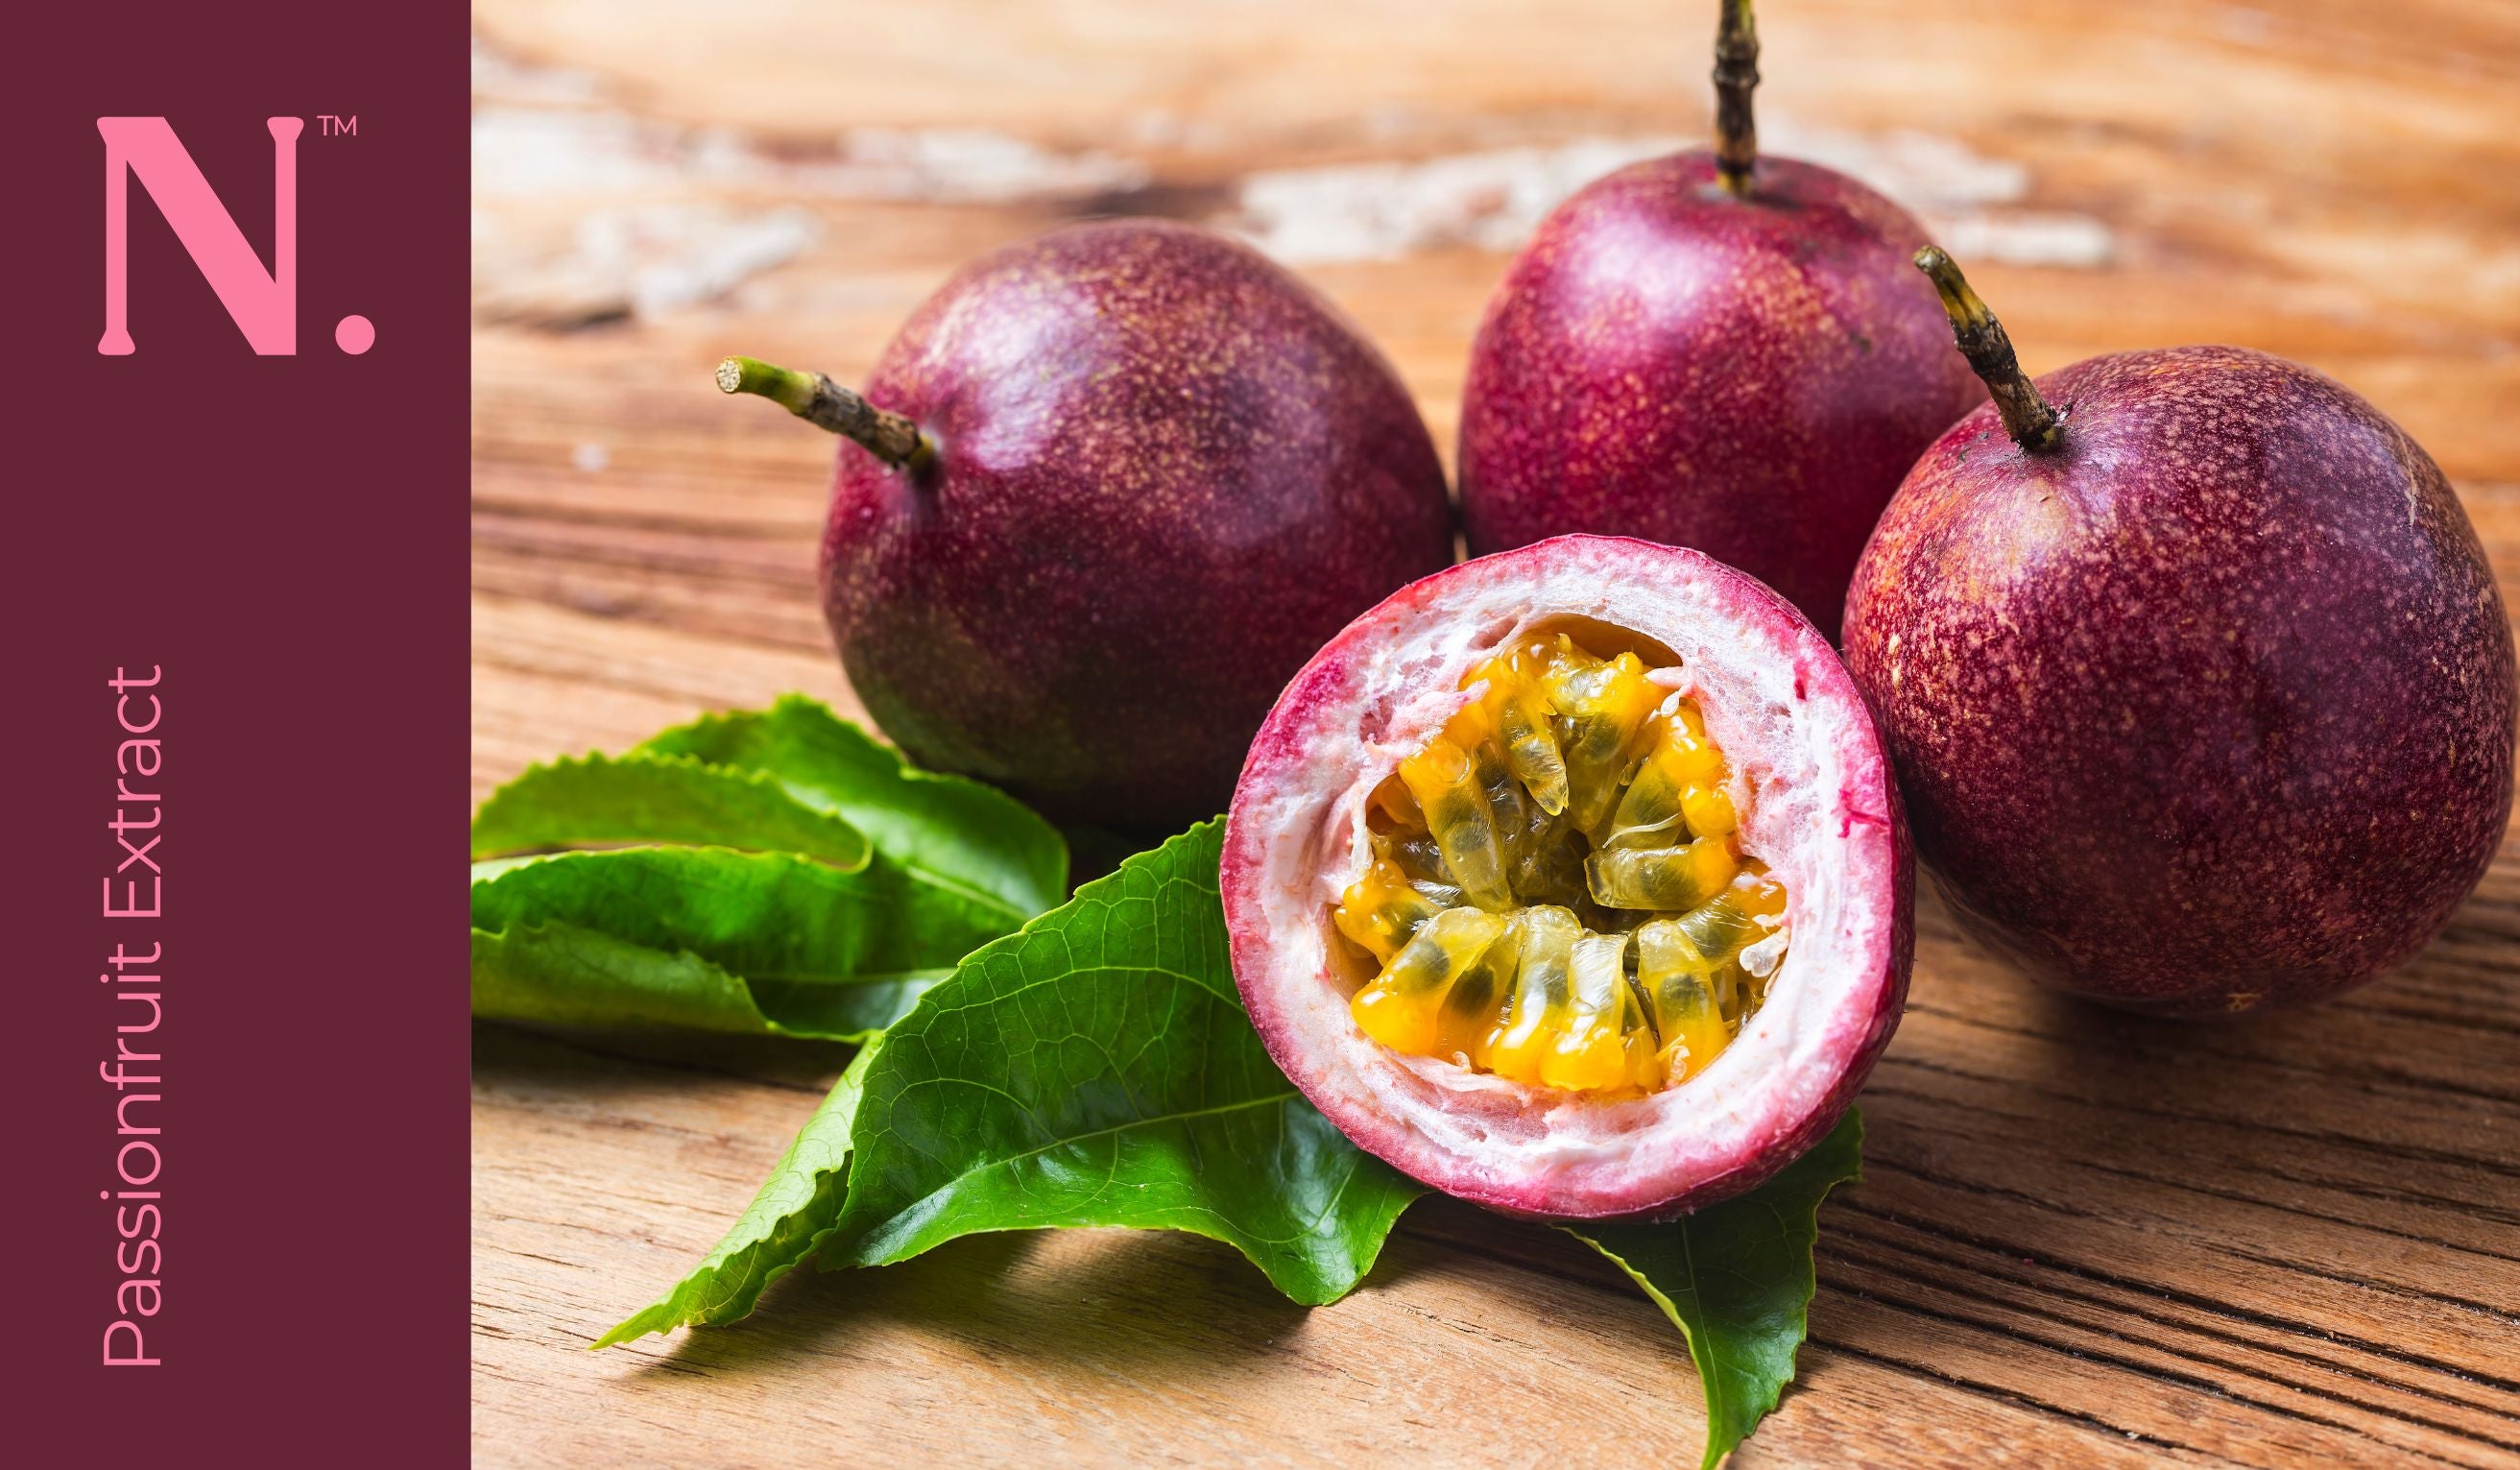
(356, 333)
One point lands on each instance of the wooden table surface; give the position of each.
(2082, 1238)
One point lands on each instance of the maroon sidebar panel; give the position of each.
(234, 685)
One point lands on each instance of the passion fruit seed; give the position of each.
(1556, 893)
(1381, 911)
(1604, 1043)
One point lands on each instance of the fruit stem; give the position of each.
(2033, 425)
(1737, 74)
(817, 399)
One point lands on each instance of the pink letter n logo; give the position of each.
(264, 307)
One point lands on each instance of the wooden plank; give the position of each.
(2082, 1238)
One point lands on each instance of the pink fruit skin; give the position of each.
(1323, 705)
(2212, 709)
(1750, 378)
(1167, 471)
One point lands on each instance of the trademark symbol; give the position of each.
(329, 126)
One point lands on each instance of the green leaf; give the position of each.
(794, 1209)
(778, 872)
(711, 937)
(562, 975)
(595, 799)
(953, 835)
(1097, 1069)
(1736, 1279)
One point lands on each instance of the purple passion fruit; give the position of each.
(1571, 881)
(2197, 681)
(1711, 349)
(1104, 493)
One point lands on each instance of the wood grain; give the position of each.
(2082, 1238)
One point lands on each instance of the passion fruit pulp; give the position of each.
(1572, 880)
(1569, 912)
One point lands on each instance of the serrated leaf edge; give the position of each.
(594, 759)
(660, 1317)
(893, 1224)
(1701, 1357)
(743, 983)
(910, 773)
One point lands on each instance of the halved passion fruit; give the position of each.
(1572, 880)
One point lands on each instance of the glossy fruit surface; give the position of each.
(1651, 998)
(1746, 375)
(2210, 706)
(1163, 473)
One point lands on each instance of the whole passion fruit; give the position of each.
(1102, 494)
(1572, 880)
(2198, 680)
(1715, 349)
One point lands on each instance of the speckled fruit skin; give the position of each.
(1166, 471)
(1819, 804)
(2210, 709)
(1747, 377)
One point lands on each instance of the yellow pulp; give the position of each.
(1557, 894)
